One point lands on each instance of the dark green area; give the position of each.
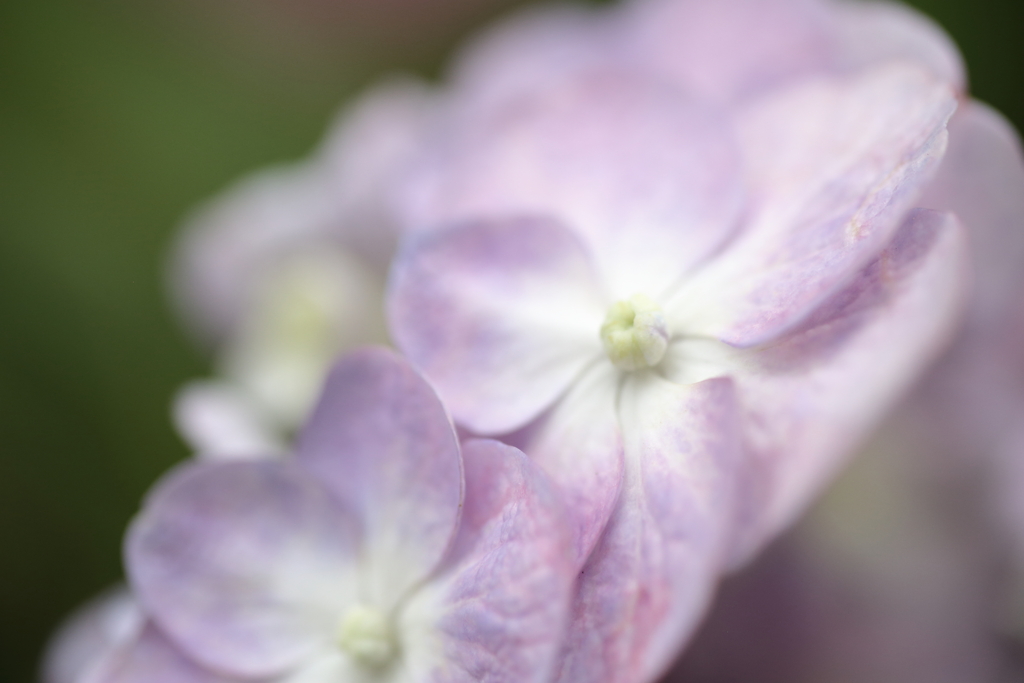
(115, 118)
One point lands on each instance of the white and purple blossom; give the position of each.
(686, 286)
(359, 559)
(287, 269)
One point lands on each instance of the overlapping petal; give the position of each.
(383, 443)
(866, 33)
(649, 177)
(833, 166)
(981, 180)
(245, 565)
(499, 315)
(578, 442)
(728, 50)
(498, 610)
(814, 394)
(653, 572)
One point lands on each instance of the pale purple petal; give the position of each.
(653, 572)
(648, 177)
(499, 609)
(731, 49)
(981, 180)
(499, 315)
(339, 198)
(868, 33)
(228, 242)
(152, 658)
(221, 422)
(363, 155)
(579, 444)
(91, 636)
(383, 443)
(536, 48)
(811, 397)
(833, 165)
(248, 566)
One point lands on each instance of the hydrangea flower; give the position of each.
(287, 269)
(685, 276)
(359, 559)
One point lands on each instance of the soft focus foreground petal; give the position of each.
(833, 165)
(499, 315)
(867, 33)
(498, 610)
(579, 444)
(652, 574)
(649, 178)
(91, 636)
(730, 49)
(382, 442)
(152, 658)
(812, 396)
(248, 566)
(334, 666)
(221, 422)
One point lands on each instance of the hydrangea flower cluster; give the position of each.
(653, 272)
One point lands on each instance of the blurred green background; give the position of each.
(115, 118)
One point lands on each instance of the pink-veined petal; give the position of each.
(812, 396)
(730, 49)
(498, 610)
(648, 177)
(381, 440)
(499, 315)
(579, 444)
(869, 32)
(652, 574)
(248, 566)
(152, 658)
(833, 165)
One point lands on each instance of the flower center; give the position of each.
(634, 333)
(366, 635)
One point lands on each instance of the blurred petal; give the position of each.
(649, 178)
(499, 609)
(653, 572)
(729, 49)
(868, 33)
(812, 396)
(499, 315)
(248, 566)
(91, 636)
(339, 199)
(981, 180)
(833, 165)
(366, 150)
(383, 443)
(220, 422)
(227, 243)
(533, 50)
(152, 658)
(579, 444)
